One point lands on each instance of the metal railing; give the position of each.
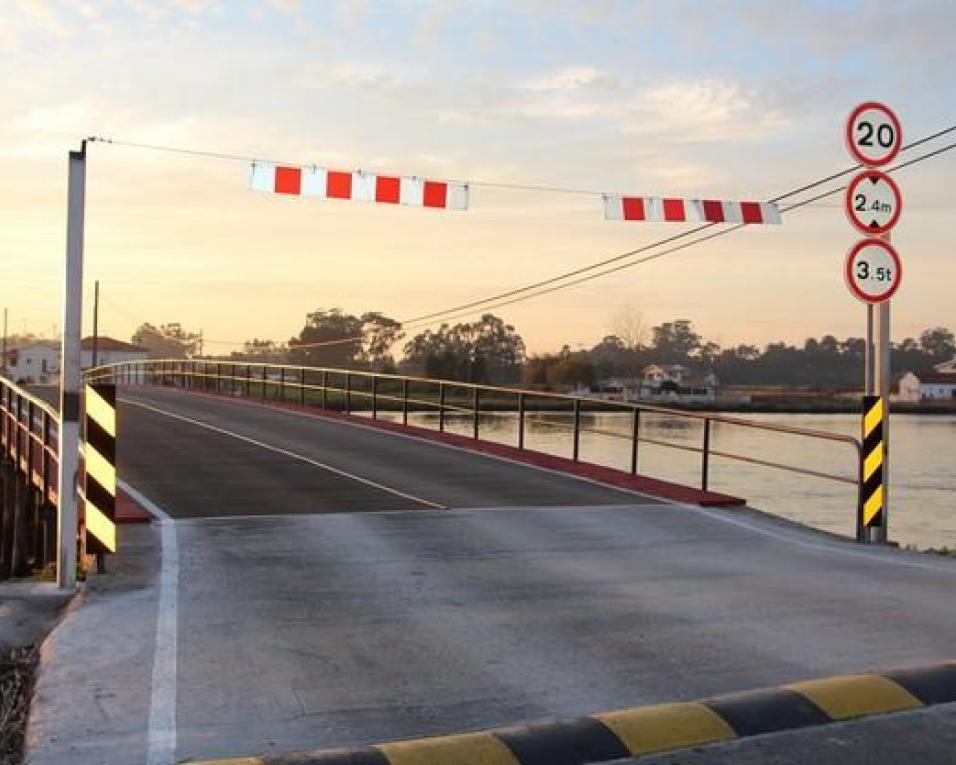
(354, 391)
(28, 497)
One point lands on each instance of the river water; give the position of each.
(922, 481)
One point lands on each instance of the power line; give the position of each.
(662, 242)
(661, 253)
(551, 284)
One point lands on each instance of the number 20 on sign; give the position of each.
(873, 134)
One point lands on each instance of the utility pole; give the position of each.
(70, 373)
(96, 320)
(882, 376)
(4, 342)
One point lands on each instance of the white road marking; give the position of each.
(161, 734)
(287, 453)
(843, 549)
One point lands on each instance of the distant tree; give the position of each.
(674, 341)
(628, 327)
(938, 343)
(481, 351)
(168, 341)
(560, 369)
(333, 338)
(262, 350)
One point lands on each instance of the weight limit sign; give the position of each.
(873, 270)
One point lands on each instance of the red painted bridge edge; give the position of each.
(643, 484)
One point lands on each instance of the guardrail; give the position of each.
(28, 497)
(353, 391)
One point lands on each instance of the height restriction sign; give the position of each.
(873, 134)
(873, 202)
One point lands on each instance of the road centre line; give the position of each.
(287, 453)
(161, 733)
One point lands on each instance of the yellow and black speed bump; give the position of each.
(100, 458)
(638, 731)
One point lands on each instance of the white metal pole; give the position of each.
(882, 383)
(868, 356)
(70, 362)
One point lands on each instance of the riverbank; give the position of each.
(811, 406)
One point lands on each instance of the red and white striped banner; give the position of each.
(358, 186)
(657, 209)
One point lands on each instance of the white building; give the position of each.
(34, 364)
(947, 367)
(674, 373)
(928, 386)
(673, 382)
(111, 351)
(39, 363)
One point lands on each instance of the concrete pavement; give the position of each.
(305, 624)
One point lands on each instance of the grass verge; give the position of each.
(16, 684)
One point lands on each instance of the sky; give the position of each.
(734, 100)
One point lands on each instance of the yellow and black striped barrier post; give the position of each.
(100, 454)
(872, 518)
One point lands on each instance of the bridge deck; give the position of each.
(196, 471)
(323, 628)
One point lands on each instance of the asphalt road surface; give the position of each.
(327, 585)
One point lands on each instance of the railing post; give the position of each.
(325, 389)
(441, 407)
(248, 381)
(475, 403)
(576, 451)
(17, 453)
(302, 387)
(705, 456)
(218, 377)
(263, 395)
(635, 438)
(348, 393)
(45, 459)
(405, 401)
(374, 397)
(282, 383)
(521, 408)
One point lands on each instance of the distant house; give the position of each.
(37, 363)
(657, 374)
(928, 386)
(674, 382)
(947, 367)
(111, 351)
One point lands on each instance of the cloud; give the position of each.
(678, 111)
(43, 14)
(568, 78)
(702, 110)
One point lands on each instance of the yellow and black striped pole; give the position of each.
(100, 454)
(872, 516)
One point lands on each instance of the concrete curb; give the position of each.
(645, 730)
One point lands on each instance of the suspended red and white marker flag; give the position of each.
(358, 186)
(657, 209)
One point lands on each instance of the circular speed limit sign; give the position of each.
(873, 270)
(873, 134)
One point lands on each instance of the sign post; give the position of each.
(873, 271)
(70, 370)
